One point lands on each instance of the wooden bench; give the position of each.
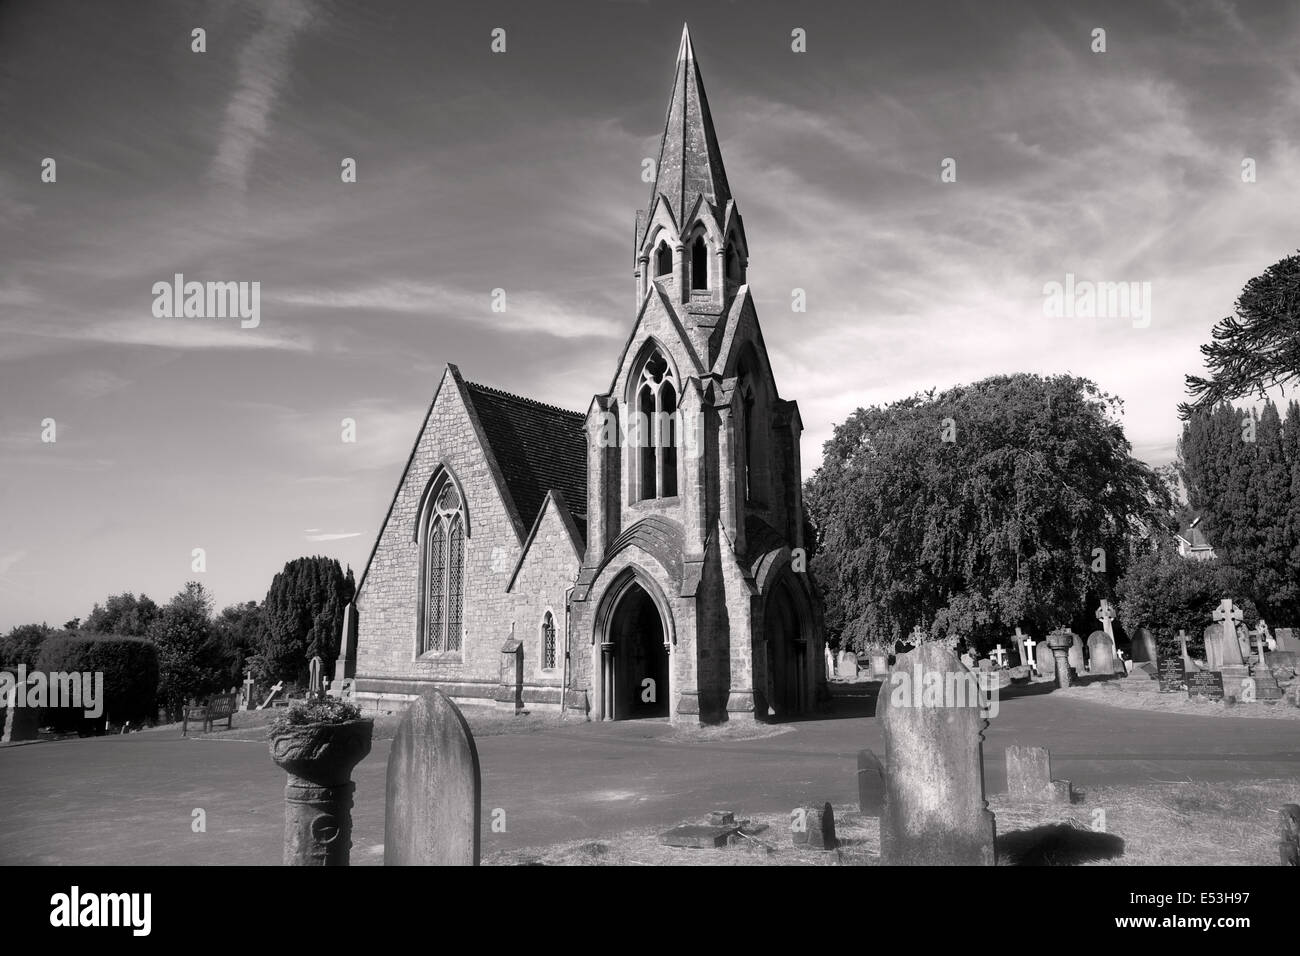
(218, 707)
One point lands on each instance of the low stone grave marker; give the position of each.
(434, 788)
(1029, 776)
(935, 811)
(698, 836)
(1207, 684)
(871, 784)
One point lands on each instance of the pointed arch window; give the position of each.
(444, 575)
(656, 432)
(750, 431)
(663, 260)
(699, 263)
(548, 642)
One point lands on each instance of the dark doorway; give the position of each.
(787, 659)
(640, 659)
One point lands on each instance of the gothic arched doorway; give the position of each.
(635, 658)
(787, 657)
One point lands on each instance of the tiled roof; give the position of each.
(538, 447)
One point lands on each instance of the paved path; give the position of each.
(130, 800)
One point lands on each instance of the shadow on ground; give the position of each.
(1057, 844)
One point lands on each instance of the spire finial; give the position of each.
(685, 51)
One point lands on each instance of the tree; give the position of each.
(189, 661)
(1024, 517)
(22, 645)
(1257, 347)
(303, 615)
(1166, 593)
(238, 631)
(122, 614)
(1241, 472)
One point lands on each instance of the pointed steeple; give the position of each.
(690, 162)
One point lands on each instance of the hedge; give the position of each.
(130, 669)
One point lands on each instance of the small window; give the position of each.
(699, 264)
(663, 260)
(548, 642)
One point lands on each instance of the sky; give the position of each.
(521, 170)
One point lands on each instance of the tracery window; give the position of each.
(444, 577)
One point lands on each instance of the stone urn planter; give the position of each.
(318, 745)
(1060, 641)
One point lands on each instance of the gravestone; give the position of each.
(1207, 684)
(879, 665)
(1046, 661)
(1101, 655)
(1286, 639)
(1029, 776)
(1075, 655)
(1232, 663)
(1172, 674)
(434, 788)
(871, 784)
(814, 827)
(848, 668)
(935, 811)
(830, 661)
(1213, 637)
(1144, 647)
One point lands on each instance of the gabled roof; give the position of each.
(690, 163)
(537, 447)
(530, 448)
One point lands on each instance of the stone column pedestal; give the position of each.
(319, 759)
(1060, 641)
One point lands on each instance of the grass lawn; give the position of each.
(1173, 824)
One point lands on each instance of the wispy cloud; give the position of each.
(263, 69)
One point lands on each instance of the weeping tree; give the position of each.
(1012, 501)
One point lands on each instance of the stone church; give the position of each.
(642, 560)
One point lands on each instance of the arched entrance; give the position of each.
(635, 659)
(787, 655)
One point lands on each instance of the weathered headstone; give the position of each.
(698, 836)
(879, 665)
(1286, 639)
(1029, 776)
(1045, 660)
(871, 784)
(434, 788)
(935, 810)
(1075, 655)
(1025, 647)
(1101, 654)
(1144, 647)
(830, 661)
(848, 668)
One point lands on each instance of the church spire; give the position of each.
(690, 162)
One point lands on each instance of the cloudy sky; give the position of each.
(521, 170)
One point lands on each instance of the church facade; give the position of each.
(644, 559)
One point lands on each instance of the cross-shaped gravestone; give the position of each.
(1228, 615)
(1026, 645)
(918, 636)
(248, 691)
(999, 655)
(1261, 631)
(1259, 640)
(1105, 614)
